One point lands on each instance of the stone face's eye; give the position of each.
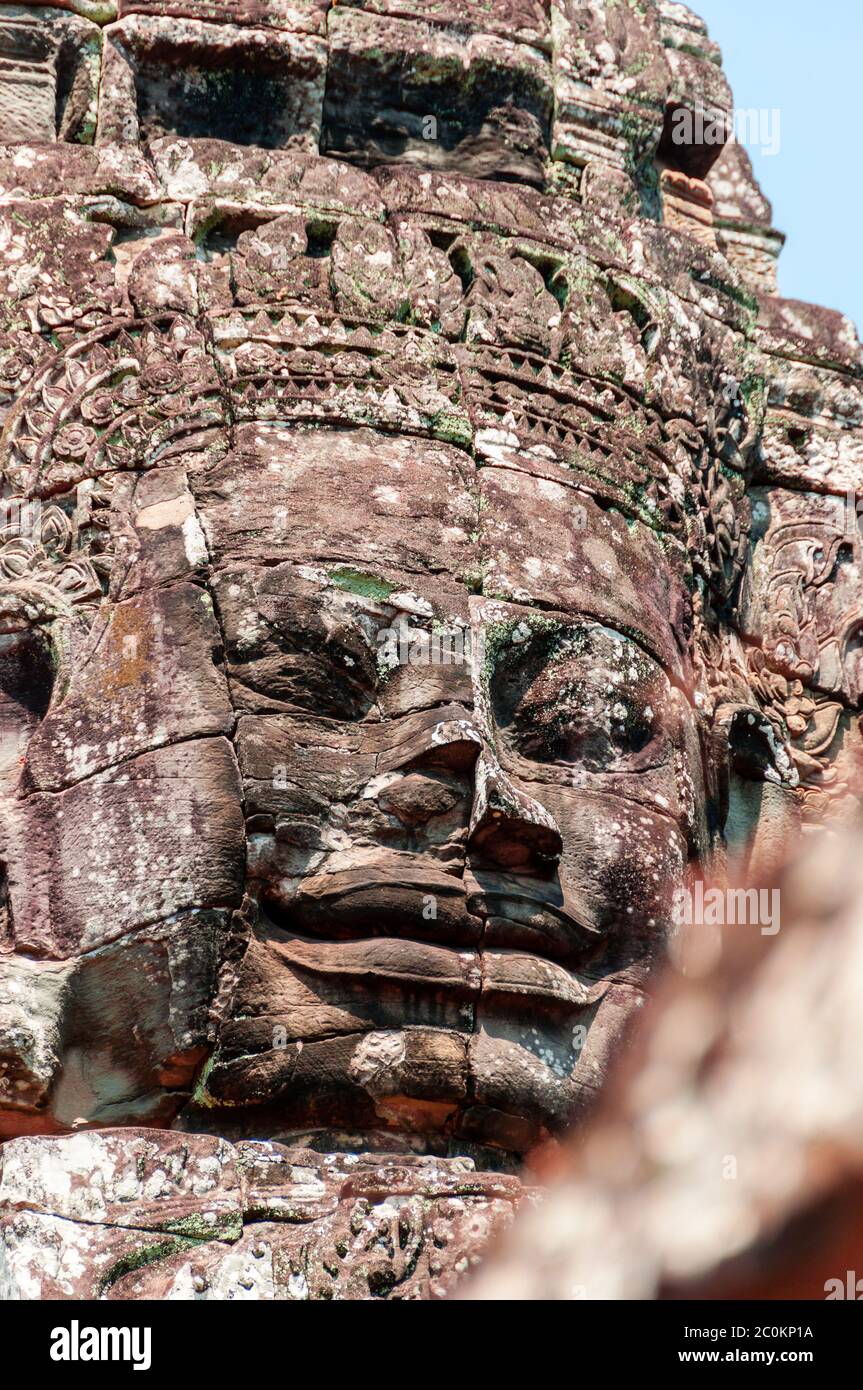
(580, 697)
(285, 649)
(572, 736)
(610, 738)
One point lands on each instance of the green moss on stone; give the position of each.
(363, 585)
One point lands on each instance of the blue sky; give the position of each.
(806, 60)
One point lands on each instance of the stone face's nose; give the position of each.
(509, 828)
(420, 797)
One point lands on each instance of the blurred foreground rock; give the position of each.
(727, 1159)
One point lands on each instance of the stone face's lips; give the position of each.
(525, 921)
(350, 906)
(547, 936)
(419, 965)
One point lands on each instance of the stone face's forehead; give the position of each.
(357, 496)
(545, 543)
(427, 512)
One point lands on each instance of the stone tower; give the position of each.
(427, 541)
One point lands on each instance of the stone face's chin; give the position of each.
(494, 1093)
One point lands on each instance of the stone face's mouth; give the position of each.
(439, 909)
(355, 1011)
(441, 1008)
(417, 967)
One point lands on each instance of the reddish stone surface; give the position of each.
(424, 542)
(140, 1213)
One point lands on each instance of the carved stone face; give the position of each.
(448, 861)
(417, 843)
